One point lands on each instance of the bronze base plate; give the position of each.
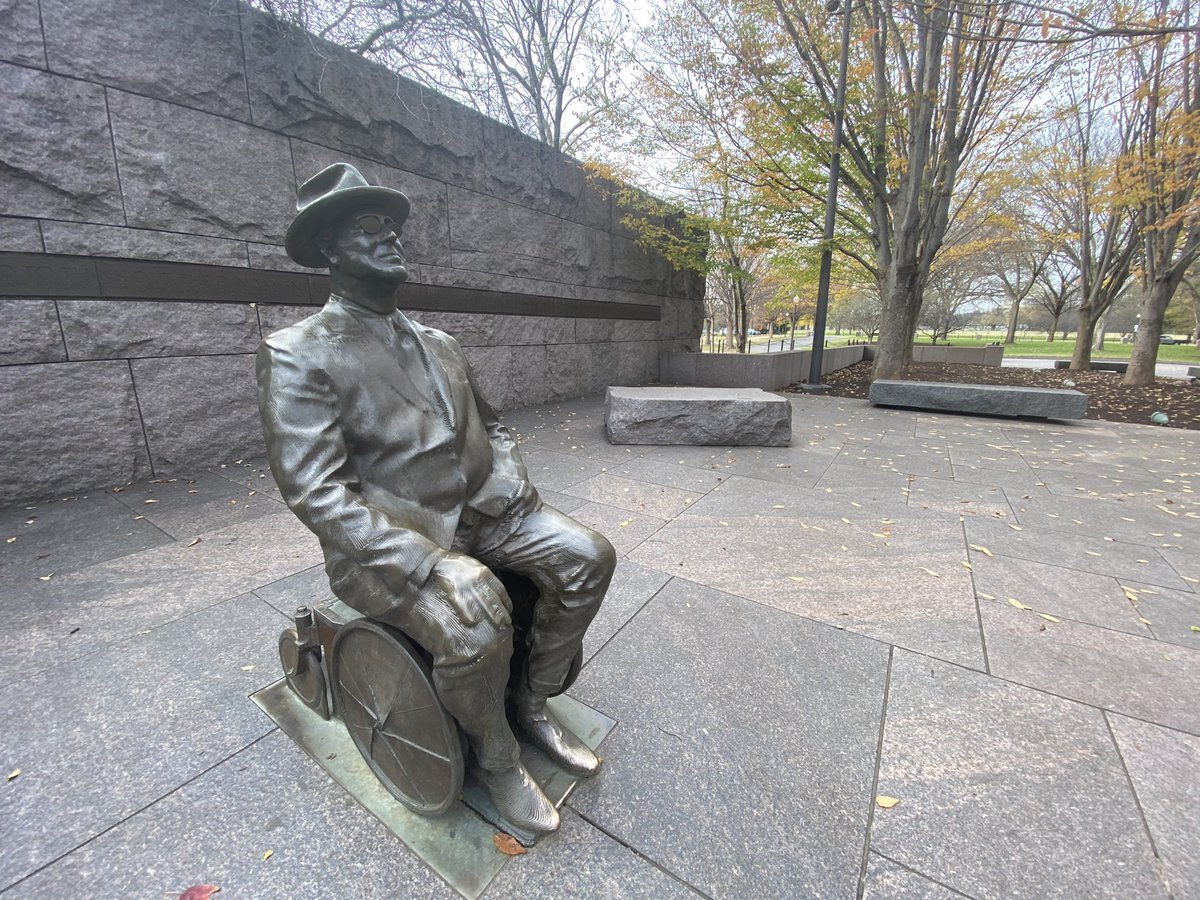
(458, 844)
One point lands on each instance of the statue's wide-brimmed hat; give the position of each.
(328, 195)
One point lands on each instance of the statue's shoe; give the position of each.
(519, 800)
(565, 750)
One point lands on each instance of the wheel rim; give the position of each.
(385, 696)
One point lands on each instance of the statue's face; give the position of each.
(366, 244)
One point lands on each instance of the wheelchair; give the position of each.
(344, 665)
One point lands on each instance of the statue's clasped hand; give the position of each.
(470, 589)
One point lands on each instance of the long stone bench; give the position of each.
(1097, 365)
(697, 415)
(981, 399)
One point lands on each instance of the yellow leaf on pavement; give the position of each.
(966, 565)
(984, 550)
(885, 802)
(268, 855)
(929, 571)
(1049, 618)
(1017, 603)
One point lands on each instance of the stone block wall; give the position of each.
(150, 152)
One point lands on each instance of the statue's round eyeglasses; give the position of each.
(376, 224)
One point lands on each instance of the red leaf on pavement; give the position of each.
(199, 892)
(508, 845)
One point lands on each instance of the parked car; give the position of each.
(1168, 339)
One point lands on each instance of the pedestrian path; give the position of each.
(907, 656)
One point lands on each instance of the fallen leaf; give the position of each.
(149, 501)
(1049, 618)
(783, 465)
(508, 845)
(844, 519)
(11, 540)
(45, 577)
(248, 668)
(985, 596)
(13, 774)
(796, 577)
(1145, 621)
(194, 542)
(1017, 603)
(268, 855)
(885, 802)
(1091, 553)
(199, 892)
(1014, 527)
(984, 550)
(627, 523)
(777, 506)
(966, 565)
(929, 571)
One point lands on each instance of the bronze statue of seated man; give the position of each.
(382, 444)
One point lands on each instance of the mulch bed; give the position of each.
(1108, 399)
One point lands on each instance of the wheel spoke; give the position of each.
(400, 738)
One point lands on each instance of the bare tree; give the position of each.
(1161, 173)
(542, 66)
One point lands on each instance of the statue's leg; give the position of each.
(470, 672)
(572, 567)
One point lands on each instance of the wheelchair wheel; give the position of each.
(383, 691)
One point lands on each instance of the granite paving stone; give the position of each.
(216, 829)
(908, 586)
(632, 587)
(1185, 563)
(561, 502)
(1081, 596)
(703, 773)
(1005, 791)
(962, 498)
(888, 881)
(908, 460)
(1174, 616)
(635, 496)
(99, 737)
(625, 530)
(670, 474)
(308, 587)
(62, 536)
(557, 471)
(582, 861)
(177, 492)
(1120, 559)
(1141, 521)
(1136, 676)
(69, 615)
(874, 484)
(185, 522)
(1164, 767)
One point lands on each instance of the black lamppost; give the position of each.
(835, 165)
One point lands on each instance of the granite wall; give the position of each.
(150, 152)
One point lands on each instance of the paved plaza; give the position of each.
(994, 622)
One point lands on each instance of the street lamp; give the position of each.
(835, 160)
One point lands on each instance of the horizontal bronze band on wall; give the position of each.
(48, 275)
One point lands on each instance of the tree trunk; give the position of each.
(1053, 329)
(1010, 336)
(1145, 343)
(894, 351)
(1081, 358)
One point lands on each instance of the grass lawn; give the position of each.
(1035, 345)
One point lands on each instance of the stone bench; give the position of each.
(981, 399)
(1194, 371)
(1097, 365)
(697, 415)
